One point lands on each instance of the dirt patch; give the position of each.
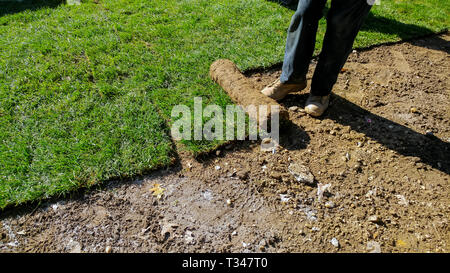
(378, 160)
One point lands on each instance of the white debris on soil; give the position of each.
(284, 198)
(188, 237)
(334, 242)
(373, 247)
(374, 219)
(13, 241)
(73, 246)
(207, 195)
(301, 173)
(402, 200)
(321, 189)
(330, 204)
(309, 212)
(167, 229)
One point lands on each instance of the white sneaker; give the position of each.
(316, 105)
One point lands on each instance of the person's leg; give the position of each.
(344, 20)
(301, 40)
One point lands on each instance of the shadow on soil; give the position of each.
(407, 142)
(11, 7)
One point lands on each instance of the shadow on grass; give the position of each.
(428, 148)
(11, 6)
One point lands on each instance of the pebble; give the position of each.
(335, 242)
(301, 173)
(229, 202)
(374, 219)
(373, 247)
(413, 110)
(263, 243)
(284, 198)
(321, 189)
(293, 108)
(108, 249)
(74, 246)
(329, 204)
(217, 167)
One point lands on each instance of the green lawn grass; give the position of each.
(86, 91)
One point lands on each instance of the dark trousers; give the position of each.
(344, 20)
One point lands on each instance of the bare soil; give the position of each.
(379, 157)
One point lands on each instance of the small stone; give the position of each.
(373, 247)
(293, 108)
(74, 246)
(217, 152)
(321, 189)
(374, 219)
(413, 110)
(329, 204)
(108, 249)
(334, 242)
(301, 173)
(217, 167)
(402, 200)
(229, 202)
(284, 198)
(263, 243)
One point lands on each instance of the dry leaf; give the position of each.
(157, 190)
